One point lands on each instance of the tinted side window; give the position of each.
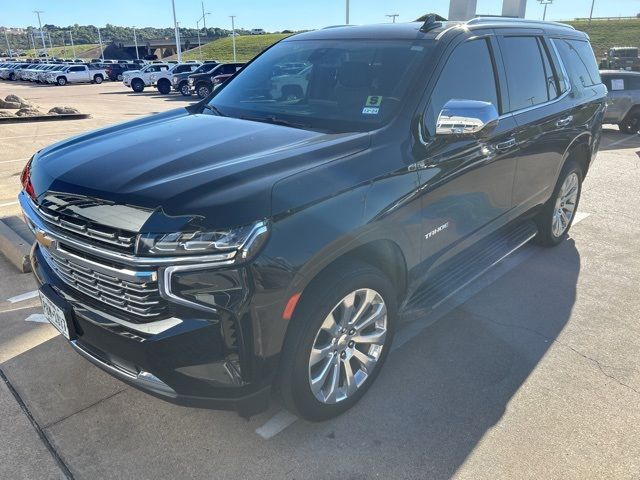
(526, 78)
(456, 82)
(579, 61)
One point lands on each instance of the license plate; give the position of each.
(55, 315)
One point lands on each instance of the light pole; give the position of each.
(393, 17)
(33, 42)
(44, 45)
(347, 12)
(135, 41)
(175, 23)
(233, 35)
(6, 37)
(545, 3)
(203, 19)
(593, 2)
(100, 41)
(203, 16)
(73, 46)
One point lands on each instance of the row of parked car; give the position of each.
(187, 78)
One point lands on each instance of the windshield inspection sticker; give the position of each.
(373, 101)
(370, 111)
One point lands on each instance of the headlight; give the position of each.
(174, 80)
(191, 81)
(247, 239)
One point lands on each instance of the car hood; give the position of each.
(219, 170)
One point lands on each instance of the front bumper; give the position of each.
(184, 359)
(188, 356)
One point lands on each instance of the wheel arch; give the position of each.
(580, 151)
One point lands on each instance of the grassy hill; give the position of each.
(247, 47)
(82, 51)
(605, 34)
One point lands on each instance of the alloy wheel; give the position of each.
(348, 346)
(565, 205)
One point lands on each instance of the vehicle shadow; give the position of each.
(434, 401)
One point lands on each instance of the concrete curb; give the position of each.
(15, 248)
(45, 118)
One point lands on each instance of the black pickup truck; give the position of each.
(250, 245)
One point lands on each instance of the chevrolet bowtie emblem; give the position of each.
(43, 239)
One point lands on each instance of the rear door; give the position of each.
(542, 109)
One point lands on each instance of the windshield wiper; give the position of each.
(277, 121)
(214, 109)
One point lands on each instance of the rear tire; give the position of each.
(631, 124)
(98, 79)
(556, 217)
(120, 77)
(137, 85)
(62, 81)
(341, 350)
(164, 87)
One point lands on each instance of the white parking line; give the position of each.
(36, 318)
(622, 140)
(8, 204)
(14, 161)
(276, 424)
(579, 217)
(23, 296)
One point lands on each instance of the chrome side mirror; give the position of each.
(466, 117)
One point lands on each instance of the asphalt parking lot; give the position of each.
(531, 372)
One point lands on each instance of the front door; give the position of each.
(466, 181)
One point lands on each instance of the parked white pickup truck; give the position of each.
(138, 79)
(76, 74)
(162, 79)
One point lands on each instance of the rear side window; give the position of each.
(579, 61)
(527, 80)
(632, 83)
(455, 84)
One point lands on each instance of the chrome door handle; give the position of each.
(564, 121)
(506, 145)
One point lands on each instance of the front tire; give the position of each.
(185, 90)
(61, 81)
(137, 85)
(338, 340)
(98, 79)
(556, 217)
(203, 90)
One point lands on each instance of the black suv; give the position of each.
(250, 244)
(202, 83)
(115, 71)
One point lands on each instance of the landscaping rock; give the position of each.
(10, 105)
(64, 111)
(17, 99)
(5, 114)
(28, 112)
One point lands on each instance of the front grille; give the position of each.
(141, 298)
(66, 211)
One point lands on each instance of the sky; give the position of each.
(274, 15)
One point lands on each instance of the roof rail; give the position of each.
(498, 19)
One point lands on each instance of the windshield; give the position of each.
(205, 68)
(325, 85)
